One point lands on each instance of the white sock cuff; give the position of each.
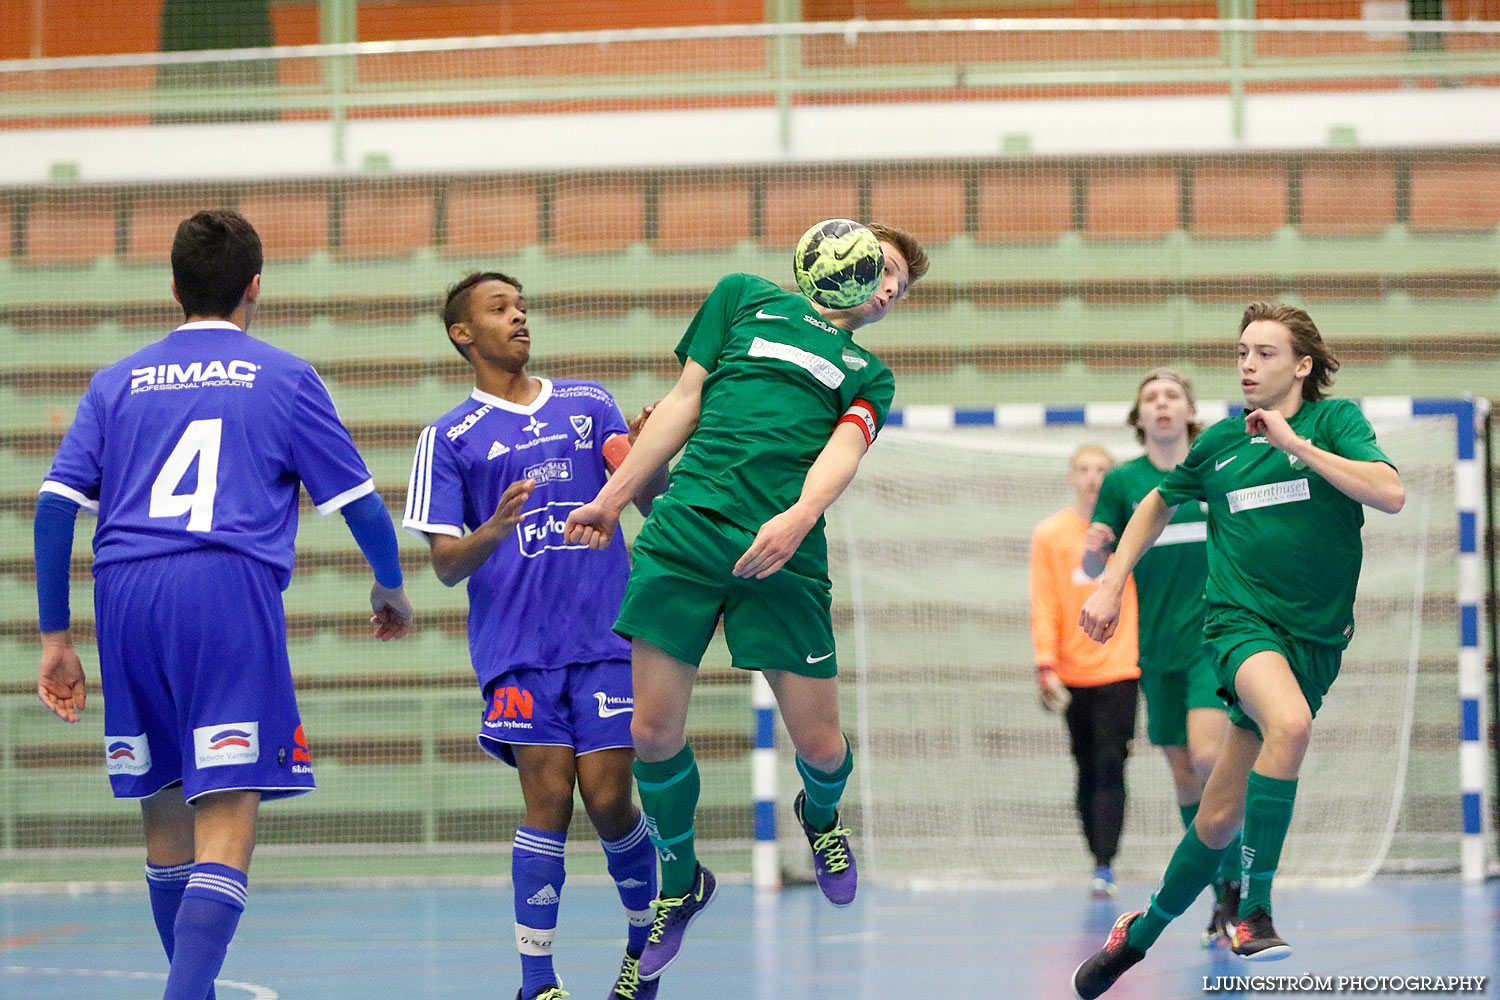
(535, 942)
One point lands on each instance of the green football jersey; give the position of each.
(1169, 578)
(779, 379)
(1282, 542)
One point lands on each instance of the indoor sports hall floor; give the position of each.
(419, 943)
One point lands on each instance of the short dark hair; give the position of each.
(215, 256)
(916, 258)
(456, 305)
(1307, 342)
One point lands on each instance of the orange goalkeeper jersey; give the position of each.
(1058, 590)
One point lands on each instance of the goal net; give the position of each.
(962, 776)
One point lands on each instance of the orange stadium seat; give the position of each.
(292, 219)
(1238, 200)
(387, 218)
(1347, 196)
(154, 220)
(1449, 196)
(1025, 204)
(597, 214)
(708, 214)
(794, 201)
(7, 212)
(492, 217)
(71, 227)
(1133, 203)
(929, 204)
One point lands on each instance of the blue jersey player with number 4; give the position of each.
(491, 487)
(192, 452)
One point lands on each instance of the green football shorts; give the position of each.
(682, 583)
(1171, 694)
(1236, 634)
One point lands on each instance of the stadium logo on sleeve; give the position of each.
(552, 470)
(462, 428)
(583, 426)
(228, 743)
(127, 754)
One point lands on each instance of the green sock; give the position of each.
(824, 790)
(669, 798)
(1187, 813)
(1191, 868)
(1229, 868)
(1268, 814)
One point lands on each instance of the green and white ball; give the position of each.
(839, 264)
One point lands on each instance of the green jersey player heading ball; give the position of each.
(1286, 486)
(776, 405)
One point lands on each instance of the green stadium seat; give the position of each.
(929, 204)
(492, 217)
(292, 219)
(597, 214)
(1239, 200)
(1348, 197)
(1025, 204)
(709, 214)
(1132, 203)
(794, 200)
(70, 227)
(1449, 196)
(387, 218)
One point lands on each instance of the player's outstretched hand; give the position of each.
(392, 617)
(636, 424)
(1270, 423)
(1100, 615)
(59, 682)
(593, 525)
(508, 511)
(775, 543)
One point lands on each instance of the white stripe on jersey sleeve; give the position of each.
(347, 497)
(63, 490)
(416, 497)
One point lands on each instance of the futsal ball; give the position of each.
(839, 264)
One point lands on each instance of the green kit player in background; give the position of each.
(1184, 713)
(777, 405)
(1286, 486)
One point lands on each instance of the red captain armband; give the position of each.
(615, 450)
(862, 415)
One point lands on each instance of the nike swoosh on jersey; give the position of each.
(817, 659)
(762, 314)
(1220, 465)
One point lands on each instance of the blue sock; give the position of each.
(210, 911)
(537, 873)
(632, 864)
(165, 884)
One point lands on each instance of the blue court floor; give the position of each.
(417, 943)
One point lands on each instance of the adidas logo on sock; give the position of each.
(630, 883)
(545, 896)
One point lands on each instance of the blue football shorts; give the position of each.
(586, 706)
(197, 686)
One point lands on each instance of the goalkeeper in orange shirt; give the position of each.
(1093, 684)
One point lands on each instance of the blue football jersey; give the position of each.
(201, 440)
(536, 601)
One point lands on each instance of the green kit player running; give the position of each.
(1286, 486)
(1184, 713)
(777, 405)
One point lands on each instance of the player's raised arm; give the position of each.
(1373, 483)
(454, 559)
(672, 422)
(1102, 611)
(617, 449)
(831, 473)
